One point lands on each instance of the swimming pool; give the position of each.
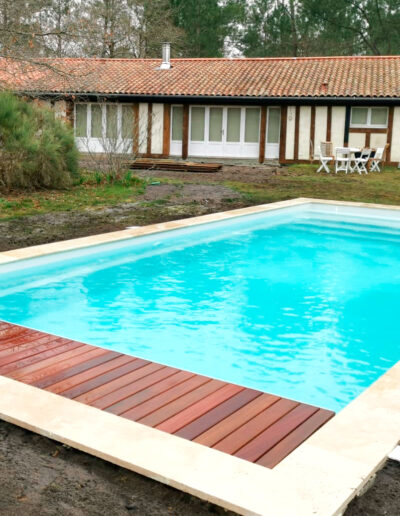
(299, 302)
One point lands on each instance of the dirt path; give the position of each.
(40, 477)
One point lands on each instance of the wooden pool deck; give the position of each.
(255, 426)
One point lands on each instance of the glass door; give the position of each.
(273, 133)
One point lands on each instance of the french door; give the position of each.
(273, 133)
(231, 132)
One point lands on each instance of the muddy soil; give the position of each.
(159, 203)
(40, 477)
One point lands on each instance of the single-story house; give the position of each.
(258, 108)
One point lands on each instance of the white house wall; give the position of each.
(395, 143)
(157, 123)
(321, 120)
(290, 129)
(304, 132)
(378, 140)
(60, 109)
(338, 123)
(357, 140)
(143, 124)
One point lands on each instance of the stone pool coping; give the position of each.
(319, 478)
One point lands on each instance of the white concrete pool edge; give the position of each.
(319, 478)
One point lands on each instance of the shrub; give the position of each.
(36, 149)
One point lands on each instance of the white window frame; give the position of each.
(369, 125)
(90, 144)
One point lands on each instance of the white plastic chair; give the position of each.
(342, 159)
(325, 156)
(360, 163)
(377, 159)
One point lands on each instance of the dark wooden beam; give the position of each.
(312, 133)
(149, 126)
(347, 126)
(167, 129)
(135, 136)
(329, 124)
(261, 156)
(296, 133)
(390, 133)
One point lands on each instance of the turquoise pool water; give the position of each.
(302, 303)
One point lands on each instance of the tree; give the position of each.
(206, 24)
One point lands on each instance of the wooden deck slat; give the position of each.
(120, 395)
(136, 370)
(150, 392)
(54, 347)
(249, 424)
(237, 439)
(217, 414)
(289, 443)
(47, 374)
(188, 415)
(163, 399)
(80, 383)
(176, 406)
(273, 434)
(236, 420)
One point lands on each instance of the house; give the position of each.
(257, 109)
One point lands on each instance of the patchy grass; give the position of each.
(79, 197)
(303, 181)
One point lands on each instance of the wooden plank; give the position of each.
(185, 131)
(167, 129)
(169, 410)
(85, 363)
(217, 414)
(106, 402)
(282, 137)
(153, 390)
(25, 349)
(263, 126)
(24, 339)
(53, 347)
(98, 379)
(366, 130)
(159, 401)
(60, 353)
(240, 437)
(295, 438)
(329, 124)
(149, 126)
(186, 416)
(257, 447)
(231, 423)
(60, 366)
(106, 388)
(296, 133)
(390, 134)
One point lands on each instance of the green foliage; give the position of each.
(36, 150)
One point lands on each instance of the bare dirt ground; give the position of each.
(40, 477)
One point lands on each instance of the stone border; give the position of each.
(319, 478)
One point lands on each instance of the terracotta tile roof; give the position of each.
(269, 77)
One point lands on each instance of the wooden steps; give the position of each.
(174, 166)
(255, 426)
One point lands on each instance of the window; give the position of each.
(177, 123)
(274, 125)
(233, 125)
(113, 121)
(197, 124)
(81, 121)
(215, 126)
(252, 126)
(96, 125)
(369, 117)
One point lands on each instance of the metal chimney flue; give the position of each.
(166, 56)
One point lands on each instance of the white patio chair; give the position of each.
(376, 160)
(342, 159)
(360, 162)
(325, 156)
